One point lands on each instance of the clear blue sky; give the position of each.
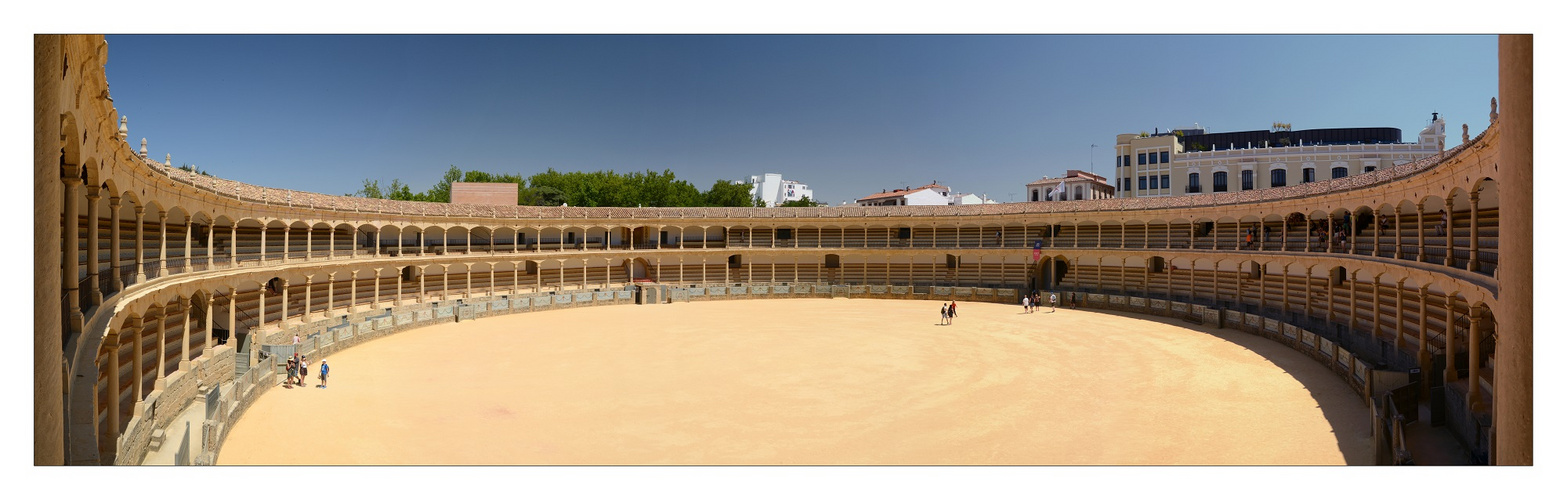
(848, 115)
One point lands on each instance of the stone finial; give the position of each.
(166, 159)
(144, 147)
(124, 131)
(1493, 109)
(1466, 132)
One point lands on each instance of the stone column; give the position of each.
(1450, 373)
(420, 298)
(1398, 325)
(261, 311)
(1477, 319)
(1514, 413)
(353, 291)
(331, 244)
(141, 260)
(304, 316)
(331, 295)
(1447, 260)
(51, 94)
(1420, 231)
(211, 243)
(1398, 232)
(419, 238)
(185, 259)
(69, 280)
(163, 243)
(233, 305)
(95, 294)
(287, 228)
(1474, 232)
(1424, 355)
(263, 249)
(140, 371)
(114, 245)
(1353, 232)
(284, 318)
(375, 295)
(113, 338)
(207, 347)
(1376, 308)
(233, 246)
(161, 362)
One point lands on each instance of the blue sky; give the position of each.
(848, 115)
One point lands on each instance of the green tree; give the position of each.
(728, 194)
(371, 189)
(442, 191)
(802, 202)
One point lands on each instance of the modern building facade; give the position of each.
(1193, 161)
(774, 190)
(1075, 185)
(152, 283)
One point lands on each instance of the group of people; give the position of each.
(1032, 302)
(948, 312)
(299, 368)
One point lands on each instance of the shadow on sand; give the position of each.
(1349, 420)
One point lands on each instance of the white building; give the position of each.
(969, 199)
(929, 194)
(1193, 161)
(774, 190)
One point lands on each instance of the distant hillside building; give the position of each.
(774, 190)
(1075, 185)
(929, 194)
(969, 199)
(1193, 161)
(485, 193)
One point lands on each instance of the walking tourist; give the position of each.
(293, 369)
(1025, 303)
(304, 369)
(296, 339)
(324, 369)
(952, 311)
(1052, 302)
(943, 314)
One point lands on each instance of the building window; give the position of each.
(1142, 182)
(1142, 158)
(1164, 181)
(1126, 184)
(1221, 182)
(1036, 195)
(1193, 183)
(1245, 180)
(1164, 157)
(1371, 169)
(1278, 177)
(1079, 192)
(1126, 161)
(1308, 175)
(1340, 172)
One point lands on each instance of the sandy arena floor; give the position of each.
(811, 381)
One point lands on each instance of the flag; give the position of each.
(1061, 191)
(1038, 245)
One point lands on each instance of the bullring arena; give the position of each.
(640, 335)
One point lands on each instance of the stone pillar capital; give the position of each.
(163, 215)
(114, 201)
(71, 180)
